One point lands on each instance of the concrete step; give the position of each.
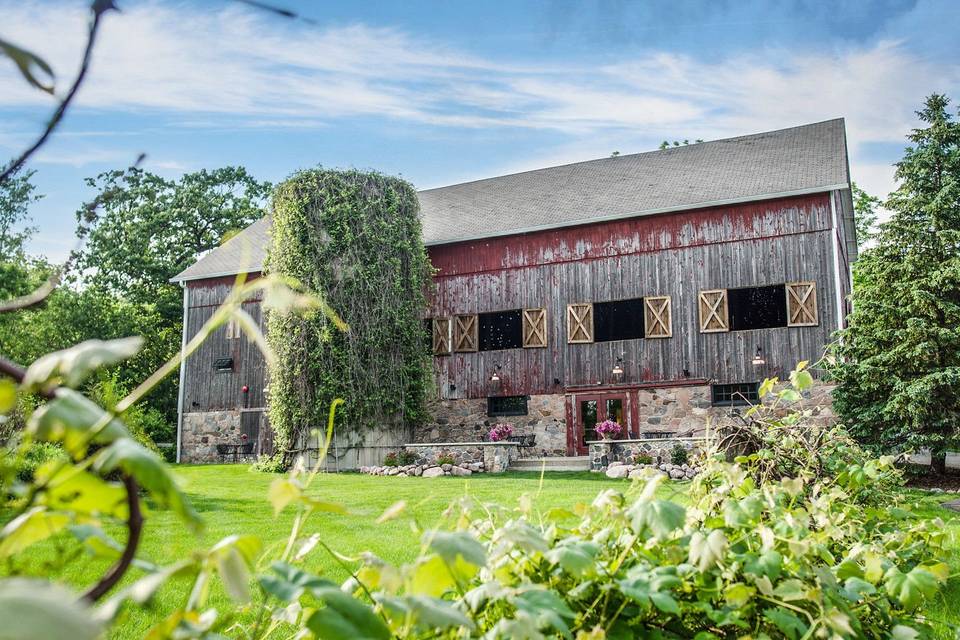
(558, 463)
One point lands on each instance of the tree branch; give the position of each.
(98, 7)
(134, 529)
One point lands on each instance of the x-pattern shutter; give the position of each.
(579, 323)
(441, 336)
(713, 311)
(802, 304)
(534, 328)
(657, 321)
(465, 333)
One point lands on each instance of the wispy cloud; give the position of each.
(234, 67)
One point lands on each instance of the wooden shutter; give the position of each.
(802, 304)
(713, 311)
(579, 323)
(441, 336)
(465, 333)
(534, 328)
(656, 317)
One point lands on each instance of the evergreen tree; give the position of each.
(899, 364)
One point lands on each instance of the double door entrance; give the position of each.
(592, 409)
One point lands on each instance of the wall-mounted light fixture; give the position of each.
(495, 376)
(556, 381)
(758, 358)
(618, 367)
(453, 387)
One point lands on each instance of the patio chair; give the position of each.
(224, 450)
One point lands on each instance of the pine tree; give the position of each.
(899, 365)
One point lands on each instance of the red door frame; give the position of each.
(575, 430)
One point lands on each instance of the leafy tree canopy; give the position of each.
(152, 228)
(16, 196)
(865, 210)
(899, 365)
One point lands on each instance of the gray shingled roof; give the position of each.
(798, 160)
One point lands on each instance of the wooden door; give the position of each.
(591, 410)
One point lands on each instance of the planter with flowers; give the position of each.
(501, 431)
(609, 429)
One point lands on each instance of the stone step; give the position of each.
(558, 463)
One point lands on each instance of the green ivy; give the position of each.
(355, 238)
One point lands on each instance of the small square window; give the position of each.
(507, 406)
(736, 395)
(223, 365)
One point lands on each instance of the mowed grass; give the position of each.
(232, 499)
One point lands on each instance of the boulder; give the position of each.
(417, 471)
(619, 471)
(677, 474)
(432, 472)
(446, 466)
(460, 471)
(402, 474)
(393, 471)
(636, 473)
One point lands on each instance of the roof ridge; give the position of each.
(634, 155)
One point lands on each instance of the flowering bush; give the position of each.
(500, 431)
(609, 428)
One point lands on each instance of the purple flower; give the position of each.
(500, 431)
(609, 427)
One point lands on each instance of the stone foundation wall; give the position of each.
(467, 421)
(457, 459)
(202, 432)
(492, 457)
(607, 453)
(685, 411)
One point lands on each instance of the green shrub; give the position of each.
(391, 460)
(643, 459)
(406, 457)
(269, 464)
(679, 455)
(446, 459)
(37, 454)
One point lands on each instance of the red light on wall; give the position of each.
(245, 389)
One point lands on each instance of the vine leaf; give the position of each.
(29, 63)
(345, 618)
(71, 366)
(28, 528)
(41, 609)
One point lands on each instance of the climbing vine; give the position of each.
(355, 238)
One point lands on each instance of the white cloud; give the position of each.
(234, 67)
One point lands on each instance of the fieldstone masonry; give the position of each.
(467, 421)
(609, 453)
(202, 432)
(457, 459)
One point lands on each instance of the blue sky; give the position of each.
(441, 92)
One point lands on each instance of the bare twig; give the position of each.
(97, 8)
(134, 529)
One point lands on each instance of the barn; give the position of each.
(655, 289)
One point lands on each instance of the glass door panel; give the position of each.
(589, 418)
(614, 407)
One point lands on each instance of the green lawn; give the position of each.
(232, 499)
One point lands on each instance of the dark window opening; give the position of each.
(736, 395)
(618, 320)
(757, 307)
(500, 330)
(222, 365)
(507, 406)
(428, 335)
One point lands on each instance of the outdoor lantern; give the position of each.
(618, 367)
(495, 377)
(758, 358)
(245, 389)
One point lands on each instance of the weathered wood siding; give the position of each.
(206, 389)
(675, 254)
